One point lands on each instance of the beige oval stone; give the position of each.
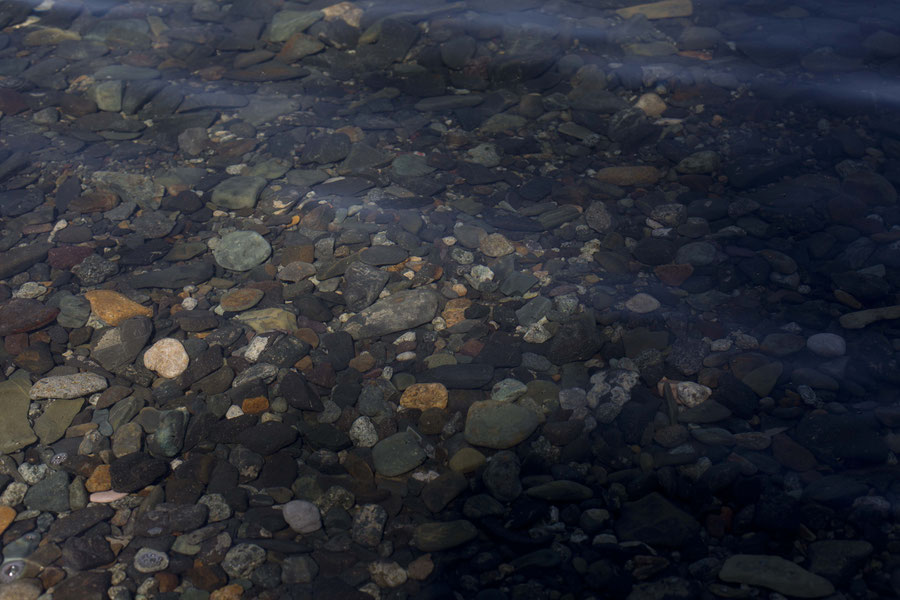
(651, 104)
(167, 358)
(113, 308)
(636, 175)
(424, 395)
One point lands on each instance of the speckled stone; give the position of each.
(67, 386)
(167, 358)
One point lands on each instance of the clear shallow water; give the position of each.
(609, 203)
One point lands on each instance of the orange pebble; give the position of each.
(7, 515)
(255, 405)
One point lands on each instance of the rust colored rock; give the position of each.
(114, 308)
(241, 299)
(422, 396)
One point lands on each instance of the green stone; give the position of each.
(269, 319)
(499, 425)
(57, 417)
(238, 192)
(397, 454)
(15, 431)
(288, 22)
(434, 537)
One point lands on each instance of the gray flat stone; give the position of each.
(57, 417)
(397, 454)
(174, 277)
(403, 310)
(775, 573)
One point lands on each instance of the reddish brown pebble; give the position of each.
(673, 275)
(241, 299)
(91, 202)
(255, 405)
(66, 257)
(21, 315)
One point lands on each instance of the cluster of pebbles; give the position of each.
(479, 299)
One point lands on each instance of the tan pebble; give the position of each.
(7, 516)
(113, 307)
(424, 395)
(651, 104)
(362, 363)
(420, 568)
(167, 358)
(637, 175)
(229, 592)
(99, 481)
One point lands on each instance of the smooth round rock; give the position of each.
(397, 454)
(302, 516)
(828, 345)
(167, 358)
(499, 425)
(242, 250)
(148, 560)
(434, 537)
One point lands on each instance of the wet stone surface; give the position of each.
(493, 300)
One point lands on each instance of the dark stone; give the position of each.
(577, 339)
(87, 585)
(174, 278)
(836, 439)
(268, 438)
(657, 522)
(78, 522)
(133, 472)
(299, 394)
(86, 552)
(464, 377)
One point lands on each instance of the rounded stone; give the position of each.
(242, 559)
(642, 303)
(242, 250)
(363, 433)
(397, 454)
(495, 245)
(302, 516)
(828, 345)
(499, 425)
(148, 560)
(167, 358)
